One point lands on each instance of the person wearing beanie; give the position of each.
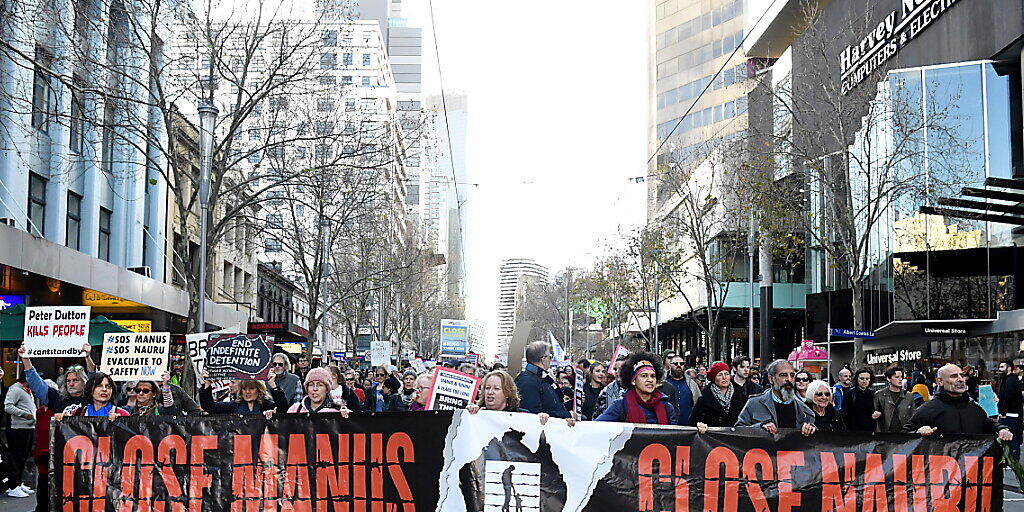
(318, 385)
(640, 376)
(408, 392)
(392, 396)
(720, 403)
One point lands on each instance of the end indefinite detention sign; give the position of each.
(135, 356)
(239, 356)
(56, 331)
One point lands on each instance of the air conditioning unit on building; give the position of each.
(146, 271)
(9, 221)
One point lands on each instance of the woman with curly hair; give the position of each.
(640, 376)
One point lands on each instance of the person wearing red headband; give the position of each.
(640, 375)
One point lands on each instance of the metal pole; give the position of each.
(657, 302)
(750, 319)
(828, 348)
(207, 120)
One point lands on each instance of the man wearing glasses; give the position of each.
(687, 391)
(779, 408)
(288, 382)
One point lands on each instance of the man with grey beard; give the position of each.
(778, 407)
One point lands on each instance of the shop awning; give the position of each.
(12, 326)
(916, 329)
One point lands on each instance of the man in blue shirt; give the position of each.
(687, 391)
(844, 384)
(536, 388)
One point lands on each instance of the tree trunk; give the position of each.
(857, 300)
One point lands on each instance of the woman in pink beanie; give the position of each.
(318, 385)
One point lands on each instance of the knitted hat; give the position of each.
(320, 375)
(715, 369)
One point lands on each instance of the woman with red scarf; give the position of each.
(640, 376)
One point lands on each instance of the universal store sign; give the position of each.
(858, 61)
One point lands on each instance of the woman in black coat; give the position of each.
(710, 409)
(819, 399)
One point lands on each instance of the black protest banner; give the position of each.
(239, 356)
(454, 461)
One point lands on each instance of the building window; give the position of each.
(36, 203)
(327, 80)
(350, 105)
(366, 81)
(104, 237)
(273, 245)
(366, 59)
(346, 80)
(75, 124)
(330, 38)
(274, 221)
(324, 105)
(328, 60)
(346, 59)
(74, 227)
(43, 95)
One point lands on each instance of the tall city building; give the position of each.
(448, 192)
(690, 102)
(513, 276)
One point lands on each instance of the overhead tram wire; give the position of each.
(448, 132)
(708, 85)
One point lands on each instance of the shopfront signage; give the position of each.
(268, 326)
(105, 300)
(7, 301)
(899, 356)
(135, 325)
(339, 355)
(894, 32)
(943, 331)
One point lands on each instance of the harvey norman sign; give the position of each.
(858, 61)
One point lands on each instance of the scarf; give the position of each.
(723, 398)
(634, 413)
(146, 410)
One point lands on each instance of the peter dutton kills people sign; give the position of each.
(135, 356)
(451, 390)
(56, 331)
(239, 356)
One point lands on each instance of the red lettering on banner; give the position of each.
(751, 461)
(787, 498)
(682, 471)
(971, 470)
(875, 498)
(138, 461)
(331, 477)
(78, 453)
(901, 503)
(359, 472)
(296, 478)
(400, 449)
(255, 481)
(169, 445)
(199, 479)
(836, 495)
(651, 454)
(101, 470)
(377, 472)
(713, 473)
(920, 483)
(986, 483)
(945, 479)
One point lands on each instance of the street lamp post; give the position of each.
(207, 120)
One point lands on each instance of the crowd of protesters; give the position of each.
(641, 387)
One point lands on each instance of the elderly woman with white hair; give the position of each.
(819, 399)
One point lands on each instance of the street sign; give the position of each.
(340, 355)
(850, 333)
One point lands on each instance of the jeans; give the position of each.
(1014, 424)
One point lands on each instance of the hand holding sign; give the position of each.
(135, 356)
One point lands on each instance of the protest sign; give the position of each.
(380, 353)
(987, 400)
(620, 351)
(195, 346)
(417, 364)
(580, 391)
(454, 341)
(135, 356)
(239, 356)
(473, 358)
(452, 461)
(451, 390)
(429, 364)
(56, 331)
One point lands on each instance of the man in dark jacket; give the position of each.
(952, 411)
(536, 388)
(741, 377)
(893, 405)
(1011, 403)
(859, 403)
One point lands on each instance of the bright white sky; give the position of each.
(557, 94)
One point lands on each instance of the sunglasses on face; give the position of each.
(279, 364)
(143, 391)
(676, 364)
(802, 379)
(823, 393)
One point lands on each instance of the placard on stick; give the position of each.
(620, 351)
(580, 391)
(451, 390)
(239, 356)
(135, 356)
(195, 345)
(380, 353)
(56, 331)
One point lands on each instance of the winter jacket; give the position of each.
(303, 406)
(291, 385)
(590, 402)
(348, 395)
(760, 410)
(185, 403)
(617, 412)
(709, 410)
(896, 410)
(537, 393)
(84, 411)
(681, 387)
(953, 415)
(18, 403)
(279, 403)
(394, 403)
(608, 395)
(858, 405)
(749, 388)
(831, 421)
(1011, 396)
